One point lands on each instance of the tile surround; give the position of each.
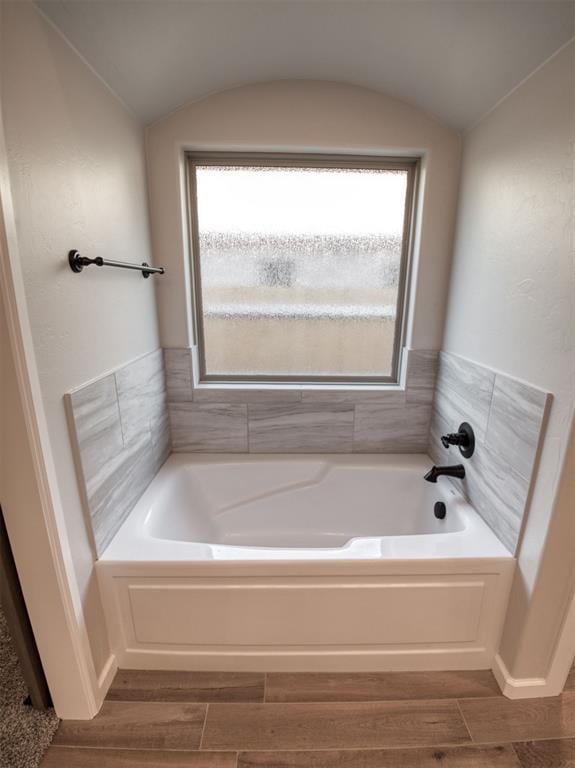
(403, 428)
(141, 392)
(121, 433)
(515, 420)
(301, 427)
(464, 389)
(507, 417)
(209, 427)
(421, 374)
(126, 423)
(178, 371)
(311, 420)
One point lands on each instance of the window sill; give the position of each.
(299, 393)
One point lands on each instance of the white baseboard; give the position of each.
(522, 687)
(318, 660)
(106, 676)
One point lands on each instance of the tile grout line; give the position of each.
(248, 437)
(307, 701)
(519, 760)
(490, 408)
(122, 430)
(336, 748)
(405, 748)
(203, 727)
(467, 728)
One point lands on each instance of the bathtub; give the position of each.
(287, 563)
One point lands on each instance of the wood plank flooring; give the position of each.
(387, 720)
(146, 725)
(336, 725)
(389, 686)
(136, 685)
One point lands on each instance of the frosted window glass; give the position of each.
(299, 270)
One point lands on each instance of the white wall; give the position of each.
(300, 116)
(78, 181)
(512, 307)
(60, 634)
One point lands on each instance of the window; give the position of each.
(300, 266)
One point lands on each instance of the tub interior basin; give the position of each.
(299, 503)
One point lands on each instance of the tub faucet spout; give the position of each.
(457, 470)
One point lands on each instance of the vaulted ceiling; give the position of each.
(453, 58)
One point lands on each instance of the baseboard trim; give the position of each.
(318, 660)
(521, 687)
(106, 676)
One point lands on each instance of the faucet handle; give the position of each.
(464, 438)
(454, 438)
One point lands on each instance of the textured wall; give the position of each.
(297, 420)
(76, 162)
(512, 308)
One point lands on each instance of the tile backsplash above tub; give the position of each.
(121, 433)
(311, 420)
(507, 417)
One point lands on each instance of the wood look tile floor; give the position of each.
(249, 720)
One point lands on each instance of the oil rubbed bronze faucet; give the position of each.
(464, 438)
(457, 470)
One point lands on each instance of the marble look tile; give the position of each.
(209, 427)
(495, 490)
(300, 428)
(439, 426)
(96, 419)
(463, 393)
(113, 492)
(353, 397)
(422, 368)
(122, 433)
(230, 394)
(178, 367)
(142, 396)
(515, 422)
(391, 429)
(498, 493)
(499, 473)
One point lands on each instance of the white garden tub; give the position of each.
(299, 563)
